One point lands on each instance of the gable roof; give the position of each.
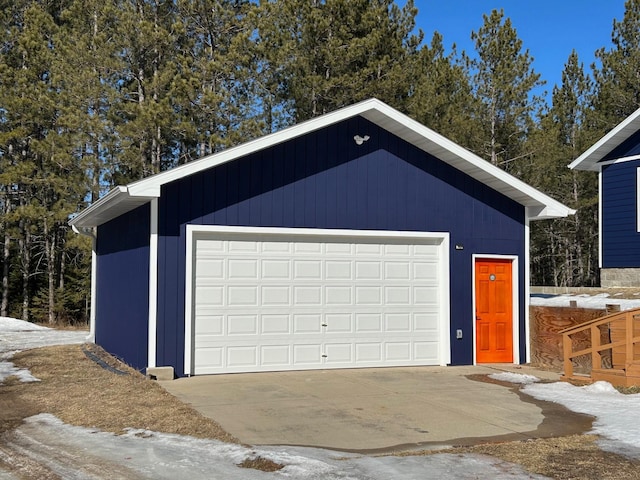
(590, 159)
(125, 198)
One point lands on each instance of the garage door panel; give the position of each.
(338, 270)
(308, 295)
(369, 295)
(242, 296)
(400, 295)
(338, 323)
(307, 269)
(275, 355)
(426, 321)
(275, 269)
(425, 295)
(210, 296)
(279, 295)
(397, 270)
(338, 295)
(275, 324)
(368, 352)
(427, 351)
(242, 325)
(339, 353)
(368, 270)
(242, 246)
(339, 249)
(242, 356)
(397, 322)
(398, 351)
(307, 354)
(307, 323)
(282, 303)
(368, 322)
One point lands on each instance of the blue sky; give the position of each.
(550, 29)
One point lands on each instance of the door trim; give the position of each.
(193, 232)
(514, 301)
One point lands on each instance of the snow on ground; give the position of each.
(144, 454)
(514, 378)
(583, 301)
(617, 419)
(16, 335)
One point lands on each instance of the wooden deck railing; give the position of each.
(606, 348)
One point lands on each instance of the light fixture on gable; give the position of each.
(360, 140)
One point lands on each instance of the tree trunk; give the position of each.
(24, 245)
(50, 249)
(5, 275)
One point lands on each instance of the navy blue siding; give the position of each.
(324, 180)
(628, 148)
(620, 237)
(122, 299)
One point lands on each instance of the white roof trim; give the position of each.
(141, 191)
(590, 159)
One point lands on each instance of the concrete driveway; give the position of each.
(379, 409)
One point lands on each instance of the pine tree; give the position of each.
(617, 81)
(564, 251)
(329, 54)
(440, 95)
(143, 113)
(503, 80)
(215, 90)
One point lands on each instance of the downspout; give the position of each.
(91, 232)
(527, 286)
(153, 284)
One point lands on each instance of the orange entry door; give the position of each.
(494, 311)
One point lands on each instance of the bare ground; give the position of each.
(79, 391)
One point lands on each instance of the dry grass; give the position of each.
(80, 392)
(575, 457)
(564, 458)
(260, 463)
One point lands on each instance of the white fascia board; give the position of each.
(114, 197)
(589, 159)
(548, 212)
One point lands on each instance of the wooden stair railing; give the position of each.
(609, 347)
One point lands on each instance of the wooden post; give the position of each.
(596, 361)
(628, 339)
(567, 349)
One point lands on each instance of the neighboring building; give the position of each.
(616, 158)
(357, 239)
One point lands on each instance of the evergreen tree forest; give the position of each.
(97, 93)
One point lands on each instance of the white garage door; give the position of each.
(293, 302)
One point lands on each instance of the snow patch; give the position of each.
(520, 378)
(17, 335)
(599, 301)
(8, 324)
(8, 369)
(146, 454)
(617, 419)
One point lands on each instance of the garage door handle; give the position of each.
(324, 324)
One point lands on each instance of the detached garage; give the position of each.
(357, 239)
